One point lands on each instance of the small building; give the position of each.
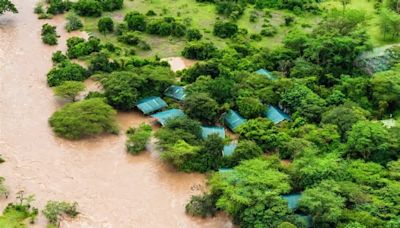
(164, 116)
(292, 199)
(175, 92)
(151, 104)
(275, 114)
(233, 120)
(266, 73)
(207, 131)
(229, 149)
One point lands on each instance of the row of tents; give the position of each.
(232, 119)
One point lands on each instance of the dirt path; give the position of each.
(112, 188)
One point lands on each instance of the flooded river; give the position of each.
(113, 189)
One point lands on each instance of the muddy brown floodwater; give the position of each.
(113, 189)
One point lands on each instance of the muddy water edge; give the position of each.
(112, 188)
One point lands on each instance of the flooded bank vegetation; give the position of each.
(289, 130)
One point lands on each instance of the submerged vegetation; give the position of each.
(309, 122)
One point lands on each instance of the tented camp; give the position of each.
(266, 73)
(162, 117)
(229, 149)
(292, 199)
(233, 120)
(275, 114)
(207, 131)
(151, 104)
(175, 92)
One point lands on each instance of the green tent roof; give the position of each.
(293, 200)
(206, 131)
(275, 114)
(175, 92)
(162, 117)
(151, 104)
(229, 149)
(233, 120)
(266, 73)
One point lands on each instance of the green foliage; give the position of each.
(100, 62)
(49, 34)
(105, 25)
(15, 215)
(386, 91)
(193, 34)
(137, 138)
(58, 57)
(84, 118)
(201, 206)
(7, 5)
(225, 29)
(369, 141)
(73, 22)
(388, 23)
(166, 27)
(179, 128)
(246, 150)
(66, 71)
(201, 107)
(250, 107)
(69, 89)
(57, 6)
(54, 210)
(136, 21)
(111, 5)
(200, 51)
(78, 47)
(89, 8)
(179, 153)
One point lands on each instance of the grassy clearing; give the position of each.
(203, 16)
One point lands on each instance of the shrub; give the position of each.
(49, 34)
(250, 107)
(57, 6)
(53, 210)
(138, 138)
(225, 29)
(111, 5)
(202, 206)
(135, 21)
(58, 57)
(201, 107)
(193, 34)
(38, 8)
(246, 150)
(200, 51)
(89, 8)
(84, 118)
(66, 71)
(100, 62)
(166, 27)
(78, 47)
(73, 22)
(105, 25)
(130, 38)
(69, 89)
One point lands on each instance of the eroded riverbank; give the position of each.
(112, 188)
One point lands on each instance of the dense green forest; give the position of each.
(337, 147)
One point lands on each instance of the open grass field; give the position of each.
(203, 16)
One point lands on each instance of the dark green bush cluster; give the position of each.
(94, 8)
(73, 22)
(225, 29)
(78, 47)
(49, 34)
(202, 206)
(200, 51)
(137, 138)
(166, 27)
(66, 71)
(105, 25)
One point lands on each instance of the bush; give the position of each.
(111, 5)
(130, 38)
(200, 51)
(73, 22)
(58, 57)
(105, 25)
(138, 138)
(100, 62)
(225, 29)
(246, 150)
(84, 118)
(38, 8)
(201, 107)
(54, 210)
(193, 34)
(166, 27)
(202, 206)
(250, 107)
(66, 71)
(57, 6)
(49, 34)
(78, 47)
(89, 8)
(69, 89)
(135, 21)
